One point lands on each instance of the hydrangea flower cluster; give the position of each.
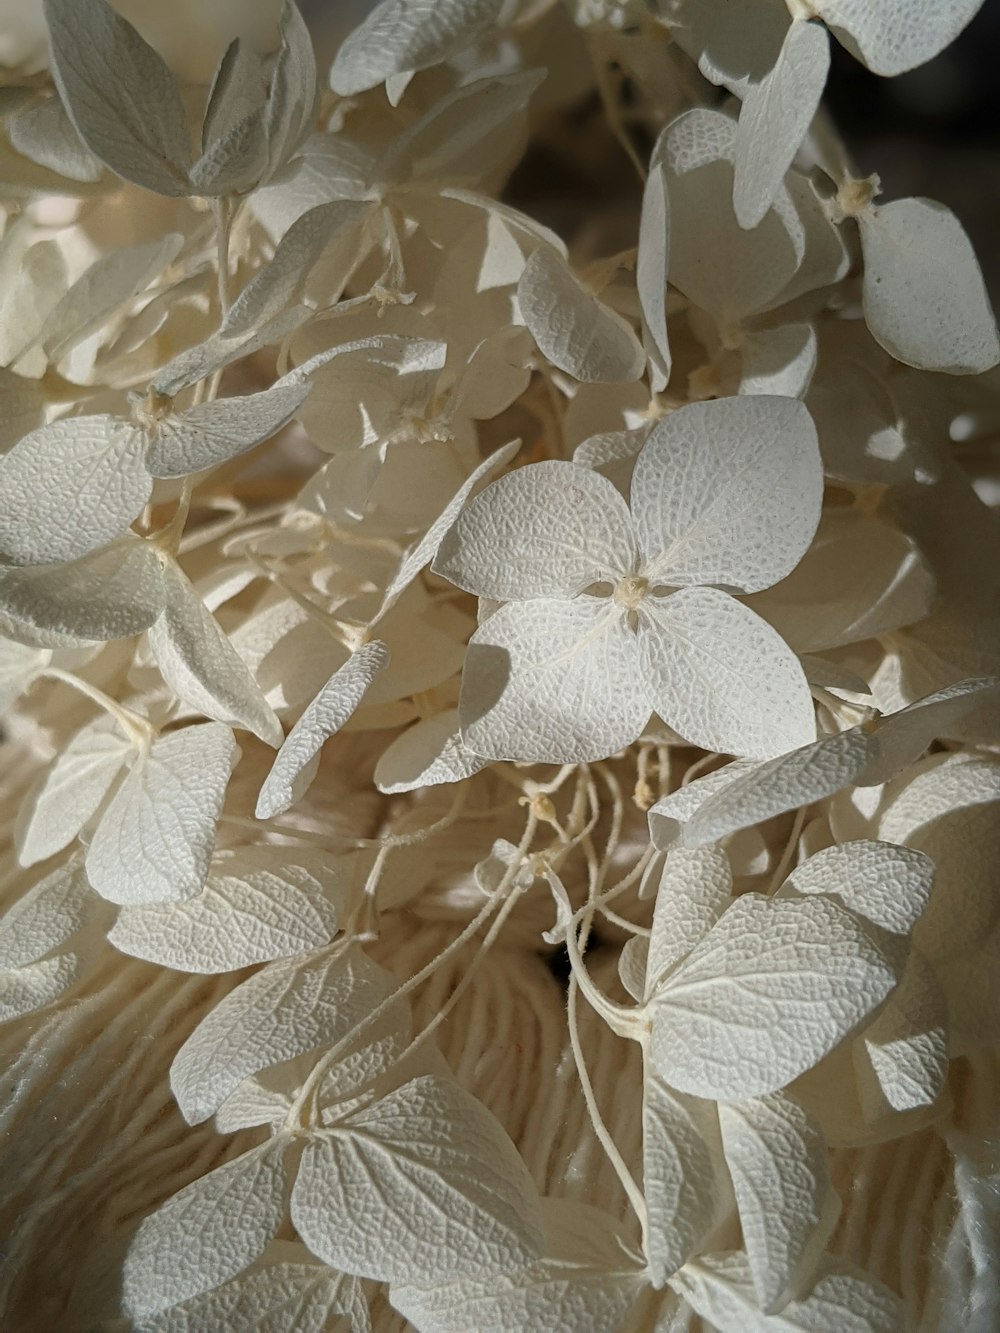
(500, 670)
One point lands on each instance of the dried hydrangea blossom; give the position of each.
(501, 685)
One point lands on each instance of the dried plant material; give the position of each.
(400, 37)
(500, 678)
(575, 330)
(425, 1151)
(198, 662)
(924, 296)
(71, 488)
(161, 1272)
(774, 119)
(777, 1158)
(155, 838)
(659, 629)
(107, 76)
(255, 906)
(793, 978)
(327, 713)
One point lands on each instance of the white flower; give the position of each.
(776, 61)
(751, 315)
(725, 498)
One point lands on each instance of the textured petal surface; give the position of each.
(201, 666)
(891, 36)
(547, 530)
(255, 906)
(719, 1287)
(721, 677)
(552, 682)
(777, 1158)
(212, 433)
(587, 1279)
(112, 593)
(69, 488)
(577, 332)
(71, 791)
(773, 987)
(207, 1233)
(155, 840)
(432, 1186)
(678, 1176)
(399, 36)
(924, 296)
(285, 1010)
(327, 713)
(728, 493)
(775, 117)
(740, 795)
(119, 94)
(48, 915)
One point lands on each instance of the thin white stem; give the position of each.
(223, 210)
(787, 856)
(137, 728)
(621, 1170)
(460, 940)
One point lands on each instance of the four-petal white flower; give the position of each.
(613, 611)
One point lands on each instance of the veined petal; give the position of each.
(891, 38)
(775, 117)
(728, 492)
(725, 270)
(573, 329)
(69, 488)
(553, 682)
(721, 676)
(546, 530)
(924, 296)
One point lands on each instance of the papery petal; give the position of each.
(721, 677)
(859, 579)
(774, 119)
(155, 840)
(728, 493)
(743, 794)
(779, 361)
(778, 1159)
(577, 332)
(69, 488)
(547, 530)
(891, 36)
(772, 988)
(553, 682)
(924, 296)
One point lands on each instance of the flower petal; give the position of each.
(547, 530)
(552, 682)
(721, 677)
(728, 492)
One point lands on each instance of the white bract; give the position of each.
(755, 274)
(775, 58)
(110, 78)
(295, 365)
(155, 838)
(724, 499)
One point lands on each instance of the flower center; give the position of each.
(630, 590)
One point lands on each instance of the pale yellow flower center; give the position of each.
(630, 590)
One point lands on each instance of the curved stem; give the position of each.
(482, 916)
(137, 728)
(618, 1163)
(781, 869)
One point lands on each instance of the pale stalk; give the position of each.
(137, 728)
